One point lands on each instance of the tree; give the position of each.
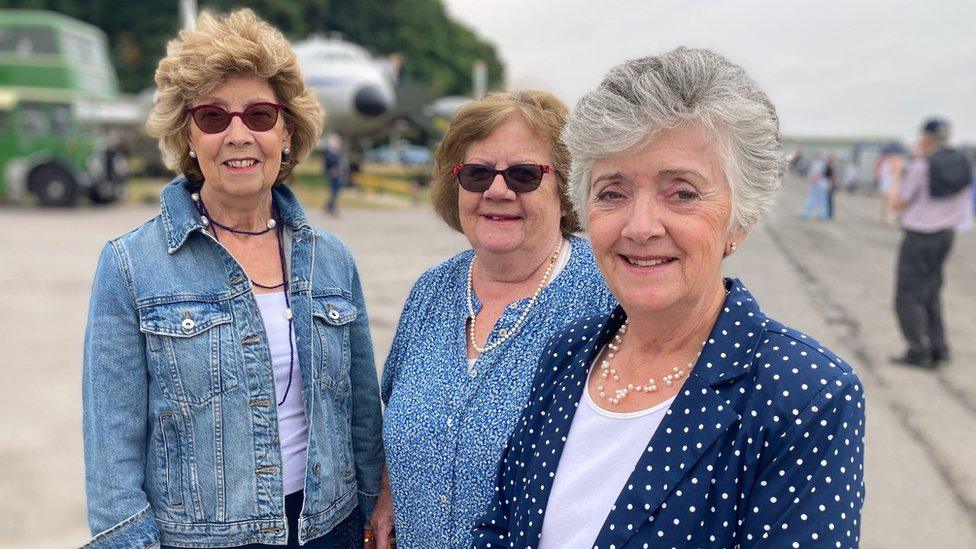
(436, 50)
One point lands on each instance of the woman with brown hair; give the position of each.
(474, 326)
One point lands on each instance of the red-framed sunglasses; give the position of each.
(521, 178)
(259, 117)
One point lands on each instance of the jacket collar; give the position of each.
(728, 352)
(180, 216)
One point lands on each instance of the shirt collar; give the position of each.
(180, 216)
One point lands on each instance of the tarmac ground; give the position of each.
(833, 280)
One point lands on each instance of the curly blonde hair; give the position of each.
(542, 111)
(221, 47)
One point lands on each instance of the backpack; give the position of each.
(949, 173)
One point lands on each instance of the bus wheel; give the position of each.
(53, 186)
(106, 192)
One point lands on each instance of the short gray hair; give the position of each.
(642, 97)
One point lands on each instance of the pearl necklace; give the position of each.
(608, 371)
(525, 312)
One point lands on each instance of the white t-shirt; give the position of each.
(292, 425)
(561, 262)
(602, 449)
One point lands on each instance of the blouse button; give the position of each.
(472, 373)
(443, 499)
(450, 422)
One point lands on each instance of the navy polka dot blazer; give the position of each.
(762, 447)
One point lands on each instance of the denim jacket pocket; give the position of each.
(184, 343)
(171, 459)
(332, 315)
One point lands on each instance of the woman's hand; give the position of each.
(382, 517)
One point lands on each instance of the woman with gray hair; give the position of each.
(686, 417)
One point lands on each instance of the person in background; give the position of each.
(686, 417)
(333, 172)
(889, 169)
(852, 175)
(473, 328)
(229, 391)
(816, 204)
(830, 174)
(933, 199)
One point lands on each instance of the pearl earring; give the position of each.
(193, 154)
(732, 245)
(286, 151)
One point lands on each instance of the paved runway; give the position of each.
(833, 280)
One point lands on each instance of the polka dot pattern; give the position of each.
(763, 445)
(446, 425)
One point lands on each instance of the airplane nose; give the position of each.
(370, 102)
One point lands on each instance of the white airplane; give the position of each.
(355, 89)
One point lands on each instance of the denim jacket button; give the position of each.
(333, 313)
(188, 323)
(316, 468)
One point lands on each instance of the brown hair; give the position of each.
(542, 111)
(219, 48)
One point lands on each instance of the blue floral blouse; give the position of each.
(446, 425)
(762, 446)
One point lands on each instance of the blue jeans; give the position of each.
(336, 187)
(346, 535)
(817, 203)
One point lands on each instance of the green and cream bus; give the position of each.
(54, 72)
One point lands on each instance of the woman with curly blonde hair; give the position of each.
(230, 395)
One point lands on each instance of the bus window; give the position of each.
(81, 48)
(34, 121)
(27, 40)
(61, 120)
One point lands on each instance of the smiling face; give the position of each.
(658, 221)
(499, 220)
(239, 162)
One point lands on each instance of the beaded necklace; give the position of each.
(207, 220)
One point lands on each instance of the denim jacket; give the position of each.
(180, 418)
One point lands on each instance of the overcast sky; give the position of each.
(857, 68)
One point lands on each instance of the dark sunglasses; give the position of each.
(521, 178)
(259, 117)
